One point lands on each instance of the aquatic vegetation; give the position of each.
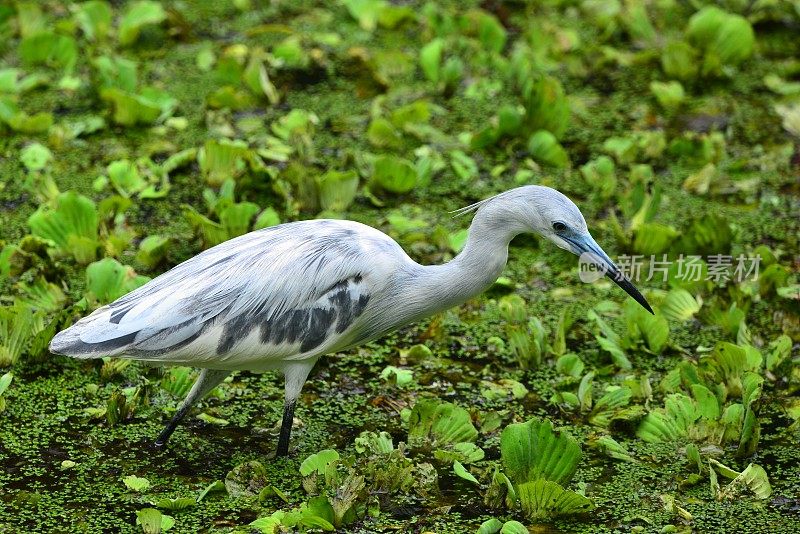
(138, 133)
(70, 225)
(5, 381)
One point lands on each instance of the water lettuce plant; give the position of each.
(537, 463)
(5, 381)
(673, 126)
(235, 218)
(70, 225)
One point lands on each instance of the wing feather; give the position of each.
(297, 285)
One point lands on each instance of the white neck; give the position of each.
(480, 263)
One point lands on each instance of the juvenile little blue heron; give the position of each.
(281, 297)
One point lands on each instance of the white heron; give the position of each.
(281, 297)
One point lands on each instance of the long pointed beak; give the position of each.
(587, 248)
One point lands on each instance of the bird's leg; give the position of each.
(286, 428)
(208, 380)
(296, 374)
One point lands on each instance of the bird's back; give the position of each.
(291, 291)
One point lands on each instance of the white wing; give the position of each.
(289, 291)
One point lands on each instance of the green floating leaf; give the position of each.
(139, 14)
(728, 39)
(116, 72)
(5, 381)
(461, 472)
(125, 178)
(491, 33)
(614, 449)
(221, 160)
(35, 156)
(71, 226)
(753, 478)
(153, 522)
(670, 423)
(401, 377)
(463, 165)
(318, 463)
(214, 487)
(679, 60)
(394, 174)
(268, 217)
(210, 419)
(679, 305)
(442, 423)
(134, 483)
(152, 250)
(337, 190)
(43, 295)
(177, 504)
(669, 94)
(503, 389)
(546, 106)
(570, 364)
(544, 148)
(374, 443)
(19, 326)
(464, 452)
(430, 59)
(146, 107)
(492, 526)
(543, 498)
(108, 279)
(533, 450)
(94, 18)
(654, 238)
(178, 381)
(47, 48)
(514, 527)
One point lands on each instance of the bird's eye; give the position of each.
(559, 226)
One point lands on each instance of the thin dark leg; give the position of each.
(286, 428)
(208, 380)
(163, 438)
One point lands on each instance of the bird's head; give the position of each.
(550, 214)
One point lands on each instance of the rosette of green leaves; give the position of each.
(537, 463)
(70, 225)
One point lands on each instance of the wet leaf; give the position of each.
(337, 190)
(533, 451)
(430, 59)
(543, 498)
(461, 471)
(71, 226)
(679, 305)
(214, 487)
(374, 443)
(138, 15)
(108, 279)
(544, 148)
(441, 423)
(176, 504)
(35, 156)
(153, 522)
(94, 18)
(319, 463)
(134, 483)
(394, 174)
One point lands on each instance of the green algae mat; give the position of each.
(134, 135)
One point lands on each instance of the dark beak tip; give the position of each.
(631, 290)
